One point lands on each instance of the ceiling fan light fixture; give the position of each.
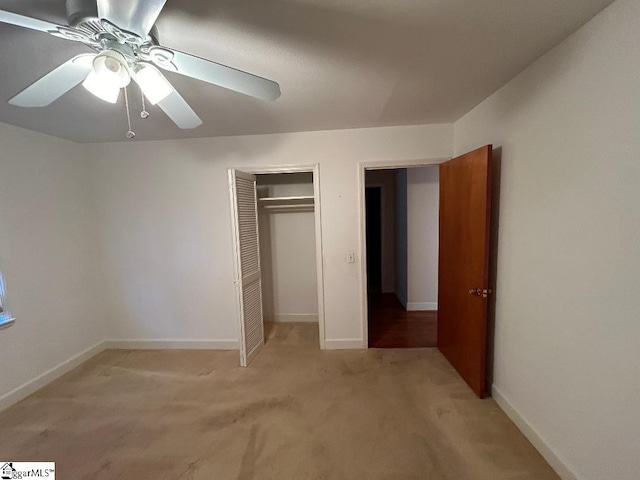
(111, 66)
(152, 83)
(101, 87)
(108, 76)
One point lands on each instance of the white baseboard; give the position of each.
(293, 318)
(131, 344)
(27, 388)
(560, 467)
(344, 344)
(420, 306)
(402, 300)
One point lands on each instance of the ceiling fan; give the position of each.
(125, 43)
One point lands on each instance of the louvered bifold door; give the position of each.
(245, 216)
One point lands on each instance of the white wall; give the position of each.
(386, 180)
(165, 221)
(402, 269)
(47, 254)
(422, 237)
(567, 343)
(288, 252)
(288, 258)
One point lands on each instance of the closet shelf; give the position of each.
(287, 203)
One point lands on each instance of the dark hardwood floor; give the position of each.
(391, 326)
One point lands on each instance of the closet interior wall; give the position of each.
(286, 225)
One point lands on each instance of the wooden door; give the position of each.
(248, 274)
(463, 273)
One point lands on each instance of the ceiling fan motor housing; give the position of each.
(85, 13)
(79, 11)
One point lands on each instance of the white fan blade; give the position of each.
(27, 22)
(215, 73)
(55, 83)
(178, 110)
(135, 16)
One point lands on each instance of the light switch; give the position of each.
(351, 257)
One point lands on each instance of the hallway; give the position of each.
(391, 326)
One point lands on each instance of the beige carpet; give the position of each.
(296, 413)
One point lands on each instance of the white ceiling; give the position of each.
(340, 63)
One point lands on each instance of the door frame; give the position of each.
(362, 168)
(315, 170)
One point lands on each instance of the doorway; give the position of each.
(464, 245)
(401, 220)
(277, 250)
(288, 258)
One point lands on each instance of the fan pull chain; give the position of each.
(143, 113)
(130, 133)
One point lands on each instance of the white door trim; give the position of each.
(362, 168)
(315, 169)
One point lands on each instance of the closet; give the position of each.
(277, 262)
(287, 247)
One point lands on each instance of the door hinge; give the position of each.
(480, 292)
